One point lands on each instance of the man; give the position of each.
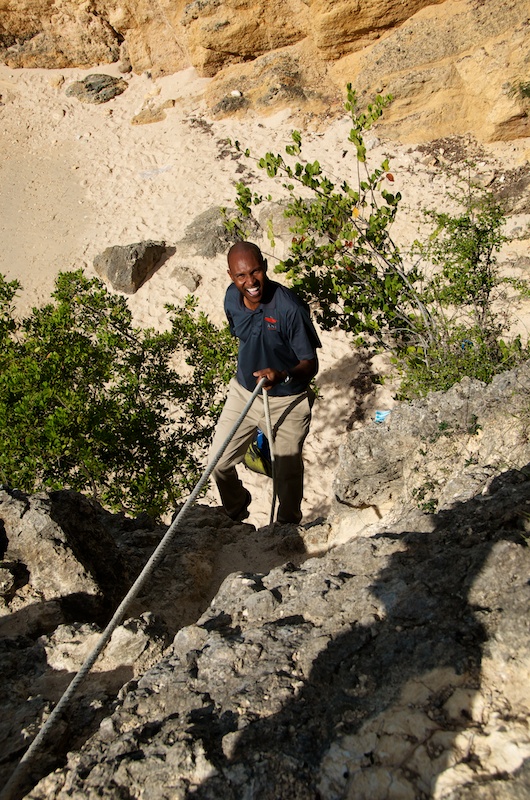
(277, 341)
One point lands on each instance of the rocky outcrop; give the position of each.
(54, 35)
(222, 33)
(442, 449)
(394, 665)
(65, 565)
(453, 66)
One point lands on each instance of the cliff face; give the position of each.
(454, 66)
(384, 662)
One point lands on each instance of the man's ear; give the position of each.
(265, 265)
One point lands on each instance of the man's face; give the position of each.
(249, 276)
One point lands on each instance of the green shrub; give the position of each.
(468, 301)
(89, 402)
(435, 308)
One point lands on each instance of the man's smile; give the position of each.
(249, 273)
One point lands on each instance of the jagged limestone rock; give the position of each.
(394, 665)
(439, 449)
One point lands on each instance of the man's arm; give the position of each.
(304, 370)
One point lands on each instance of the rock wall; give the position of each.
(454, 66)
(395, 665)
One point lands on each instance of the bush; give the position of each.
(467, 299)
(434, 308)
(89, 402)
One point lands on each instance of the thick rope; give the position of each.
(270, 437)
(15, 779)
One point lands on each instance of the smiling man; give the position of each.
(277, 341)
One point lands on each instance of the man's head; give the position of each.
(248, 270)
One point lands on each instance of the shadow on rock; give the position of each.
(399, 700)
(43, 644)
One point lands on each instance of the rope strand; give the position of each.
(270, 437)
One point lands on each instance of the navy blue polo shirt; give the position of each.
(277, 334)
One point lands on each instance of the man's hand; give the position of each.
(273, 376)
(304, 370)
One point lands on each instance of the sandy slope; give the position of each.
(76, 178)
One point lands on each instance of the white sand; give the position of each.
(76, 178)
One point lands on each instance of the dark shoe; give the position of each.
(243, 512)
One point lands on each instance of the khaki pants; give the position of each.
(290, 418)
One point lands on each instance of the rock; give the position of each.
(124, 65)
(7, 581)
(47, 37)
(337, 31)
(96, 88)
(207, 236)
(272, 219)
(229, 104)
(44, 642)
(220, 34)
(78, 35)
(186, 277)
(134, 646)
(441, 67)
(152, 113)
(437, 450)
(381, 48)
(62, 559)
(453, 68)
(511, 188)
(396, 664)
(36, 540)
(388, 661)
(126, 267)
(293, 76)
(63, 574)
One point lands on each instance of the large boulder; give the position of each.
(64, 550)
(440, 449)
(66, 564)
(293, 76)
(126, 267)
(219, 34)
(38, 34)
(452, 68)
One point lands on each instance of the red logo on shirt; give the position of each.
(270, 319)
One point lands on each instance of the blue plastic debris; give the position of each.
(380, 416)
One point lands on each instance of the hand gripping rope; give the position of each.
(9, 791)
